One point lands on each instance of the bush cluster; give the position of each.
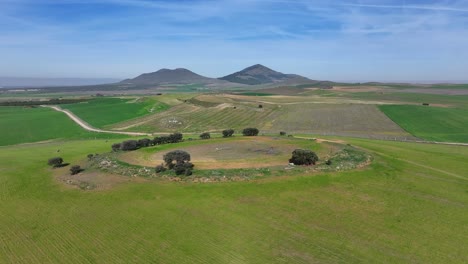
(250, 131)
(205, 135)
(303, 157)
(228, 133)
(178, 161)
(130, 145)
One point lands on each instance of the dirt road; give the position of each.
(88, 127)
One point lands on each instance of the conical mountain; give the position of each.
(259, 74)
(168, 76)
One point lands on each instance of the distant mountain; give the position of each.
(168, 76)
(259, 74)
(43, 82)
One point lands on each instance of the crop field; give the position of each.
(431, 123)
(22, 125)
(215, 113)
(405, 98)
(101, 112)
(401, 208)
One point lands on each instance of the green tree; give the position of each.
(303, 157)
(250, 131)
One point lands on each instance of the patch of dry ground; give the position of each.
(245, 152)
(91, 180)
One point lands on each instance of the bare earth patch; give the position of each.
(245, 152)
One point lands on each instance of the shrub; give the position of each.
(183, 168)
(260, 106)
(129, 145)
(160, 168)
(176, 137)
(75, 169)
(282, 133)
(228, 133)
(205, 135)
(145, 142)
(179, 156)
(328, 162)
(250, 131)
(90, 156)
(55, 162)
(303, 157)
(116, 147)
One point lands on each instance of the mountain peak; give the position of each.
(165, 76)
(259, 74)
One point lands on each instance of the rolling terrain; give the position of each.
(407, 204)
(398, 210)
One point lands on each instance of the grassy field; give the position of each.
(400, 209)
(22, 125)
(431, 123)
(101, 112)
(416, 98)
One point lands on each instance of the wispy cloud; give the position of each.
(318, 38)
(417, 7)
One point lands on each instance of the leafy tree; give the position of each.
(205, 135)
(179, 161)
(75, 169)
(55, 162)
(250, 131)
(177, 156)
(160, 140)
(145, 142)
(228, 133)
(129, 145)
(303, 157)
(176, 137)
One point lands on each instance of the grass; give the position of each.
(400, 209)
(101, 112)
(22, 125)
(431, 123)
(418, 98)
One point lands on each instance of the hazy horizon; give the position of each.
(387, 41)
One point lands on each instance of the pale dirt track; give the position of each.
(90, 128)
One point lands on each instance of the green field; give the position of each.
(101, 112)
(400, 209)
(22, 125)
(431, 123)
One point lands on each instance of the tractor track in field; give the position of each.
(88, 127)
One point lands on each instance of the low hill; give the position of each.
(259, 74)
(168, 76)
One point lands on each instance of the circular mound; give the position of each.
(228, 153)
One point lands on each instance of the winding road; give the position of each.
(88, 127)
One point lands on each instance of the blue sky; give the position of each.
(410, 40)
